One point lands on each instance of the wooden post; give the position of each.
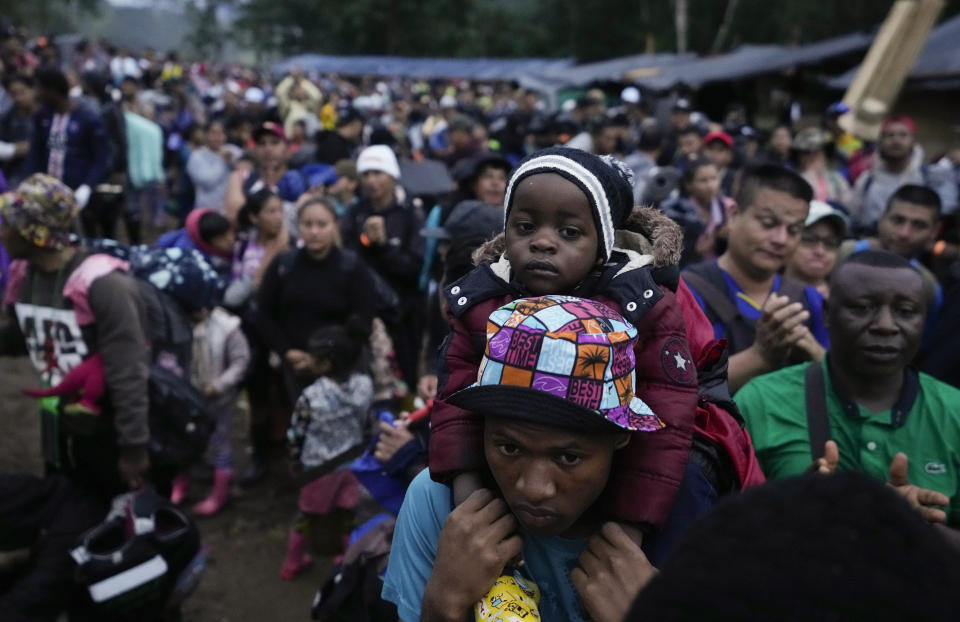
(883, 71)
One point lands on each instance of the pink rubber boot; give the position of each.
(222, 478)
(297, 558)
(178, 492)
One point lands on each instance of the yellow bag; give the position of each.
(513, 598)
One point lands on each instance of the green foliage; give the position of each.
(45, 15)
(585, 29)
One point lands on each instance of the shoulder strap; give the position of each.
(715, 297)
(816, 402)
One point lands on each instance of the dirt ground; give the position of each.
(246, 540)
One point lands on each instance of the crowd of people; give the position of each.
(545, 341)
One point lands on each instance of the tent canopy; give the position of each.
(939, 59)
(748, 61)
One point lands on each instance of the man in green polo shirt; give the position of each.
(877, 405)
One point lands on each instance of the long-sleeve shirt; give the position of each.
(328, 419)
(210, 174)
(144, 151)
(221, 355)
(294, 110)
(46, 328)
(399, 260)
(300, 294)
(85, 147)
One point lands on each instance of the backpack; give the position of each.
(144, 557)
(352, 593)
(171, 281)
(708, 281)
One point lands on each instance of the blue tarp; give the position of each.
(657, 71)
(939, 59)
(613, 70)
(471, 68)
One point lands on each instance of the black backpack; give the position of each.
(352, 592)
(143, 558)
(180, 423)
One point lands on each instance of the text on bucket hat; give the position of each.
(42, 209)
(378, 158)
(606, 181)
(561, 361)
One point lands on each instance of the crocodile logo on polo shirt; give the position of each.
(935, 468)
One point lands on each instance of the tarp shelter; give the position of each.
(938, 65)
(748, 61)
(469, 68)
(612, 70)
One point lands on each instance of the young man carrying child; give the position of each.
(556, 396)
(570, 231)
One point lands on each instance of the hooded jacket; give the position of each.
(328, 419)
(647, 474)
(874, 188)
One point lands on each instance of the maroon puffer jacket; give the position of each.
(646, 475)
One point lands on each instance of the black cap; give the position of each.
(469, 219)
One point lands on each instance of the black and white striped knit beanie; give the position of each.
(606, 181)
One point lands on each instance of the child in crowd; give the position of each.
(208, 232)
(220, 359)
(700, 210)
(328, 425)
(567, 214)
(262, 236)
(343, 193)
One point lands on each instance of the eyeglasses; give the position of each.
(811, 240)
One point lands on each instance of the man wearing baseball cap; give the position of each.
(898, 161)
(384, 228)
(718, 148)
(271, 152)
(556, 393)
(67, 305)
(680, 113)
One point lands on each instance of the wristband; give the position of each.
(939, 247)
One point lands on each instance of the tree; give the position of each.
(207, 38)
(45, 15)
(584, 29)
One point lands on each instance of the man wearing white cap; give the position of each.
(384, 229)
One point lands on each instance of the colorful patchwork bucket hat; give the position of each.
(42, 209)
(561, 361)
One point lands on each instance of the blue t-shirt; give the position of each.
(425, 509)
(750, 309)
(547, 560)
